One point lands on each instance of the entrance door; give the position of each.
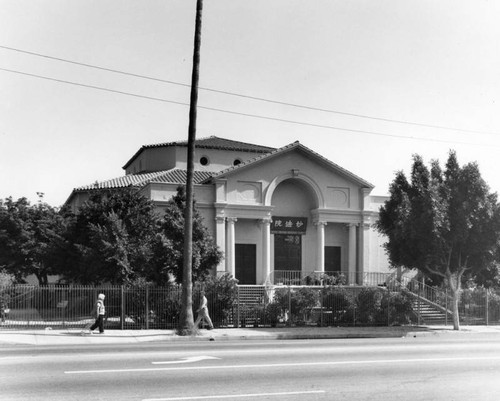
(332, 259)
(287, 252)
(245, 263)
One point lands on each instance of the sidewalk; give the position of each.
(75, 337)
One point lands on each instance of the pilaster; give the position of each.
(266, 247)
(230, 246)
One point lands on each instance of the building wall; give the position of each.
(169, 157)
(218, 159)
(153, 159)
(204, 196)
(377, 257)
(335, 191)
(376, 254)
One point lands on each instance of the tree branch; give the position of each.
(436, 272)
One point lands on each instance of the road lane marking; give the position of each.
(190, 359)
(284, 365)
(218, 397)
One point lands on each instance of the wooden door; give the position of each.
(245, 263)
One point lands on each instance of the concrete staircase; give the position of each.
(430, 314)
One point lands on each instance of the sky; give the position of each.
(365, 83)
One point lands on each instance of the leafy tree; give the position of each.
(119, 237)
(30, 238)
(111, 238)
(443, 223)
(206, 254)
(6, 279)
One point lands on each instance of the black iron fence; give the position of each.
(69, 307)
(480, 306)
(324, 306)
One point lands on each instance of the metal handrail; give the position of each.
(431, 295)
(303, 277)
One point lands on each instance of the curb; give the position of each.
(54, 338)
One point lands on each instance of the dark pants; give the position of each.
(99, 322)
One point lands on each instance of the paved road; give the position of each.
(426, 368)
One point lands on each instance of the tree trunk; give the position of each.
(456, 318)
(456, 289)
(41, 276)
(186, 321)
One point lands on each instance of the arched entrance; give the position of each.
(293, 199)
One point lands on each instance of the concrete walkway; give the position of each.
(75, 337)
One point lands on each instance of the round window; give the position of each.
(236, 162)
(204, 161)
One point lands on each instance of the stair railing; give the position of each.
(433, 296)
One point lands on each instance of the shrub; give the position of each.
(339, 303)
(169, 310)
(326, 279)
(369, 307)
(381, 307)
(398, 307)
(221, 293)
(298, 302)
(273, 313)
(494, 307)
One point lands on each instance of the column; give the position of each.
(220, 239)
(266, 248)
(320, 256)
(363, 251)
(230, 253)
(352, 254)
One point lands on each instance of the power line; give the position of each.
(243, 114)
(97, 67)
(253, 97)
(93, 87)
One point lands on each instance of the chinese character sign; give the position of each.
(288, 225)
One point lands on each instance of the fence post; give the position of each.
(122, 308)
(487, 307)
(63, 308)
(388, 308)
(147, 307)
(446, 308)
(321, 307)
(419, 303)
(237, 324)
(289, 323)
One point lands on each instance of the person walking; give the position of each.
(203, 312)
(99, 312)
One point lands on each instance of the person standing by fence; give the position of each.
(203, 312)
(99, 311)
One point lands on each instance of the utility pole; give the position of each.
(186, 322)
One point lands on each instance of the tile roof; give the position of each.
(179, 176)
(212, 142)
(174, 176)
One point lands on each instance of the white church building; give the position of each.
(278, 215)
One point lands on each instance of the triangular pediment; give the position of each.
(282, 153)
